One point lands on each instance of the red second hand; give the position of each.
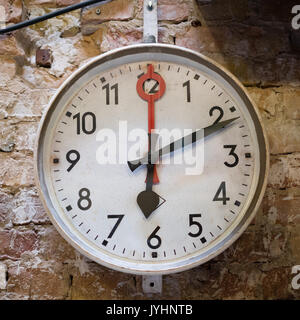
(151, 101)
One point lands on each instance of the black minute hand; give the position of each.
(180, 143)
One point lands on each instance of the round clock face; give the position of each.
(189, 189)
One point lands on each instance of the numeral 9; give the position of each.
(72, 157)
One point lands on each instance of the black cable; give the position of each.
(56, 13)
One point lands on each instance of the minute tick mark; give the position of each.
(203, 239)
(104, 243)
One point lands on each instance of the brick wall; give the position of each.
(253, 39)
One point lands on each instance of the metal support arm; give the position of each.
(150, 21)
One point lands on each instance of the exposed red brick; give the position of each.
(117, 10)
(169, 10)
(14, 243)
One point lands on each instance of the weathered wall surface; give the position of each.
(253, 39)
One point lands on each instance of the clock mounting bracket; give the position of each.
(151, 283)
(150, 21)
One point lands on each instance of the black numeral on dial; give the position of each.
(187, 84)
(198, 225)
(154, 238)
(72, 157)
(86, 123)
(154, 88)
(115, 216)
(216, 110)
(221, 194)
(84, 202)
(108, 90)
(232, 153)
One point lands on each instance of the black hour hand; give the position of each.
(148, 202)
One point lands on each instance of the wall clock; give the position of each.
(125, 207)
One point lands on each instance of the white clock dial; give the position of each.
(209, 191)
